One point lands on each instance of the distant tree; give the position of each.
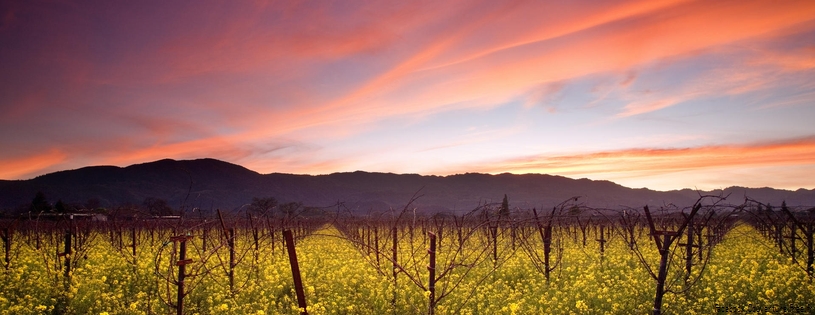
(262, 206)
(157, 206)
(40, 203)
(289, 209)
(504, 211)
(60, 207)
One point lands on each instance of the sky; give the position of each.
(658, 94)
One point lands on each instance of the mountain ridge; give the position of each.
(214, 184)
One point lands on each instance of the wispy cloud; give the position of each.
(629, 164)
(609, 41)
(24, 167)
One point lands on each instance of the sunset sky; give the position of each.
(658, 94)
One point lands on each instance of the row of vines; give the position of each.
(710, 257)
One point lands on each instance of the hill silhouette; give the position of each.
(212, 184)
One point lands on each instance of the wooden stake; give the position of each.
(295, 272)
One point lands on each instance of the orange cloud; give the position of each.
(22, 167)
(614, 40)
(456, 68)
(627, 166)
(553, 21)
(487, 58)
(216, 147)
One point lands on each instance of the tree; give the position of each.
(290, 208)
(504, 211)
(262, 206)
(157, 206)
(60, 207)
(40, 203)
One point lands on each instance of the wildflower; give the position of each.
(513, 307)
(581, 306)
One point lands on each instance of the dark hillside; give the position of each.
(210, 184)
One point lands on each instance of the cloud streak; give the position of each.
(23, 167)
(630, 164)
(114, 83)
(607, 41)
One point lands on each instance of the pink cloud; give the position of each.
(631, 164)
(632, 38)
(27, 166)
(451, 64)
(218, 147)
(638, 108)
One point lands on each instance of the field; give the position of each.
(347, 267)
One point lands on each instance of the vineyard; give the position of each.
(710, 257)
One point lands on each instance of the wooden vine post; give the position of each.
(431, 285)
(810, 254)
(368, 229)
(394, 248)
(691, 243)
(204, 236)
(394, 252)
(699, 240)
(295, 272)
(779, 236)
(376, 243)
(62, 300)
(133, 243)
(230, 242)
(67, 254)
(7, 246)
(547, 250)
(182, 271)
(793, 237)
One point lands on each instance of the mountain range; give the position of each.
(210, 184)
